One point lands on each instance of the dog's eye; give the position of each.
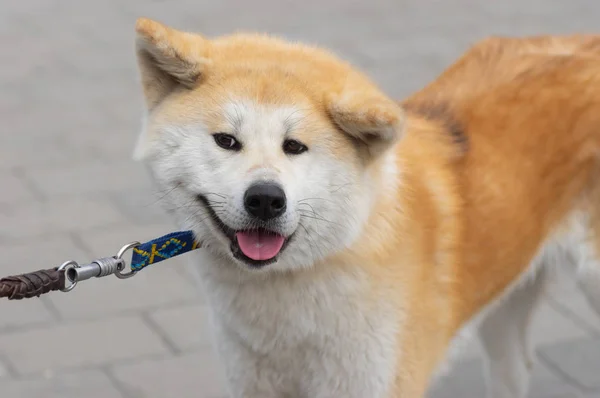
(293, 147)
(227, 141)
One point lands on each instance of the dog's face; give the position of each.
(266, 149)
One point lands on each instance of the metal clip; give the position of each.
(104, 266)
(119, 256)
(97, 269)
(67, 266)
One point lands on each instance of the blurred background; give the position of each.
(69, 115)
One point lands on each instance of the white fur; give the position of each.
(295, 335)
(281, 333)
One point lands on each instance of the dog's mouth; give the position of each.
(256, 247)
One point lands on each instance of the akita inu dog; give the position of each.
(349, 240)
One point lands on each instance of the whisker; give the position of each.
(323, 199)
(307, 204)
(319, 219)
(342, 186)
(216, 194)
(311, 245)
(164, 193)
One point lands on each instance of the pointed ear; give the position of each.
(368, 115)
(167, 58)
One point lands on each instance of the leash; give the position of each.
(70, 273)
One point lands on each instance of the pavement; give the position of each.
(69, 115)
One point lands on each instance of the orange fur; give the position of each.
(493, 156)
(529, 111)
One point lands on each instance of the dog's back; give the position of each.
(525, 114)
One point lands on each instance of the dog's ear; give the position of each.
(167, 58)
(366, 114)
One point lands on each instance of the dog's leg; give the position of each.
(504, 337)
(248, 379)
(248, 374)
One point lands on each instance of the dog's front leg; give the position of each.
(247, 379)
(248, 374)
(252, 383)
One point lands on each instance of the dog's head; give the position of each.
(272, 152)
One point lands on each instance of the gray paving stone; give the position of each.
(549, 326)
(579, 359)
(39, 152)
(106, 241)
(34, 254)
(143, 206)
(187, 327)
(109, 136)
(571, 301)
(69, 214)
(155, 287)
(88, 384)
(73, 345)
(14, 190)
(545, 383)
(466, 380)
(198, 375)
(5, 372)
(92, 177)
(413, 78)
(16, 314)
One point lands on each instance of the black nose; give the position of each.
(265, 201)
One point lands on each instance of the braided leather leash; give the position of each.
(66, 277)
(33, 284)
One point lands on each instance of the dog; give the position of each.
(350, 240)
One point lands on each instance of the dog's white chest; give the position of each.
(321, 337)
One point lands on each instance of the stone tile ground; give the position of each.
(69, 115)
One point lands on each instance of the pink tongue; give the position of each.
(259, 245)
